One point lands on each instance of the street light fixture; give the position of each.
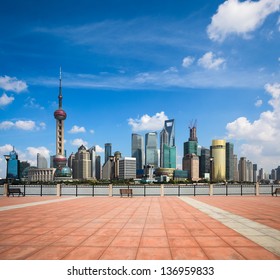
(7, 157)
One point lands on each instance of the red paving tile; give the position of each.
(119, 253)
(51, 253)
(245, 206)
(222, 253)
(153, 254)
(188, 254)
(85, 253)
(140, 228)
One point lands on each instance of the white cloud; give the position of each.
(77, 129)
(91, 131)
(31, 155)
(42, 125)
(147, 122)
(171, 70)
(6, 100)
(32, 104)
(258, 103)
(78, 142)
(99, 149)
(12, 84)
(6, 125)
(23, 125)
(260, 138)
(6, 149)
(188, 61)
(209, 61)
(240, 18)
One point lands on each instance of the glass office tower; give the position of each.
(13, 165)
(108, 151)
(151, 149)
(167, 145)
(137, 150)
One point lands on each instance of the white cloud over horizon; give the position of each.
(99, 149)
(29, 154)
(259, 139)
(12, 84)
(240, 18)
(79, 142)
(149, 123)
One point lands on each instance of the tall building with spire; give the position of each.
(62, 172)
(190, 147)
(167, 145)
(60, 160)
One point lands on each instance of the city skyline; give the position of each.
(128, 67)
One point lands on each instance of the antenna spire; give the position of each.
(60, 88)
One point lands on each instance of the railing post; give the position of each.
(179, 190)
(226, 189)
(241, 190)
(5, 191)
(58, 189)
(41, 190)
(144, 189)
(194, 190)
(110, 190)
(161, 190)
(257, 189)
(211, 189)
(93, 190)
(76, 190)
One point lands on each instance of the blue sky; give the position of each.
(129, 65)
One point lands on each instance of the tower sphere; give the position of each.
(60, 114)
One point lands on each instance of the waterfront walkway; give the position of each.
(172, 228)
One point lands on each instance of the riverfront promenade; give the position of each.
(154, 227)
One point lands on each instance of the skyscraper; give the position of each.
(167, 145)
(108, 151)
(13, 165)
(191, 164)
(229, 162)
(218, 154)
(190, 147)
(242, 168)
(41, 161)
(204, 163)
(151, 149)
(137, 150)
(60, 160)
(82, 164)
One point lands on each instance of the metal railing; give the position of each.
(146, 190)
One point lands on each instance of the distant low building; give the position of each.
(41, 174)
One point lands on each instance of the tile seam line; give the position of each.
(18, 206)
(212, 211)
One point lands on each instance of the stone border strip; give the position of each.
(267, 237)
(17, 206)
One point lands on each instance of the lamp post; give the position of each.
(211, 169)
(7, 157)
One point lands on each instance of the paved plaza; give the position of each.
(140, 228)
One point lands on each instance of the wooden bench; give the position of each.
(15, 190)
(126, 191)
(277, 190)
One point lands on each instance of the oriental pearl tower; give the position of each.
(60, 160)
